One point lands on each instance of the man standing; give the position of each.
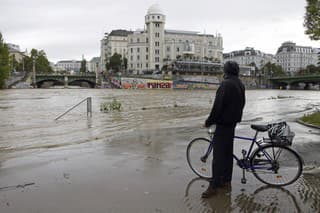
(226, 113)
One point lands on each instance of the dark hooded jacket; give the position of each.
(229, 103)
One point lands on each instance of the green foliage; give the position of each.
(13, 63)
(4, 63)
(125, 63)
(313, 118)
(309, 70)
(312, 19)
(83, 66)
(271, 69)
(115, 62)
(41, 62)
(110, 106)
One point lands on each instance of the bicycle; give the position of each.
(272, 162)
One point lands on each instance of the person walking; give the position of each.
(225, 114)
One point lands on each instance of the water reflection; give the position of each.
(304, 196)
(219, 203)
(267, 199)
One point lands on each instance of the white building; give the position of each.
(293, 58)
(114, 42)
(248, 56)
(94, 65)
(153, 47)
(316, 52)
(69, 65)
(14, 51)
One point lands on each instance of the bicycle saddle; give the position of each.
(260, 128)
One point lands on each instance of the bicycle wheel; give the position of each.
(276, 165)
(197, 149)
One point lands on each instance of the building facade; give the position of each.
(249, 56)
(69, 65)
(14, 51)
(293, 58)
(94, 65)
(114, 42)
(154, 46)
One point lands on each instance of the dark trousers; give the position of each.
(222, 164)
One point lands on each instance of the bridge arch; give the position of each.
(86, 79)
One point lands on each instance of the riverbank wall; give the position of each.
(142, 83)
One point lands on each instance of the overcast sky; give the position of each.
(68, 29)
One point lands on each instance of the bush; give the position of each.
(110, 106)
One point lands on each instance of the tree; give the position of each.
(83, 66)
(125, 63)
(272, 70)
(312, 19)
(4, 63)
(42, 63)
(252, 64)
(115, 62)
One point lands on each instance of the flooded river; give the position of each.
(135, 158)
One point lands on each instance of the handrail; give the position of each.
(89, 108)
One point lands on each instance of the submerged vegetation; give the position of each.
(110, 106)
(313, 118)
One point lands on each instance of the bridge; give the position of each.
(293, 81)
(49, 80)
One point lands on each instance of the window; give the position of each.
(147, 49)
(157, 43)
(147, 40)
(131, 50)
(168, 49)
(147, 57)
(138, 49)
(147, 65)
(138, 65)
(178, 49)
(157, 52)
(131, 58)
(138, 57)
(158, 17)
(157, 35)
(157, 59)
(138, 40)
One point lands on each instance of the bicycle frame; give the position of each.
(242, 162)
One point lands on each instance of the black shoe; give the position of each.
(209, 192)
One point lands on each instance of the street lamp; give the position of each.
(34, 72)
(97, 68)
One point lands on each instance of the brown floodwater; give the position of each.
(134, 160)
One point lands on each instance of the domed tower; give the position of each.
(155, 21)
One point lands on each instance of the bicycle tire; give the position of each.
(196, 149)
(285, 168)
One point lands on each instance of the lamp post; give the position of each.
(97, 74)
(34, 72)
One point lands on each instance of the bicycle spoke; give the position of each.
(276, 165)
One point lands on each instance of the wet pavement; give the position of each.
(134, 160)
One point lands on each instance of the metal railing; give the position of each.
(89, 108)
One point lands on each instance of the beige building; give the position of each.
(293, 58)
(248, 56)
(14, 50)
(155, 46)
